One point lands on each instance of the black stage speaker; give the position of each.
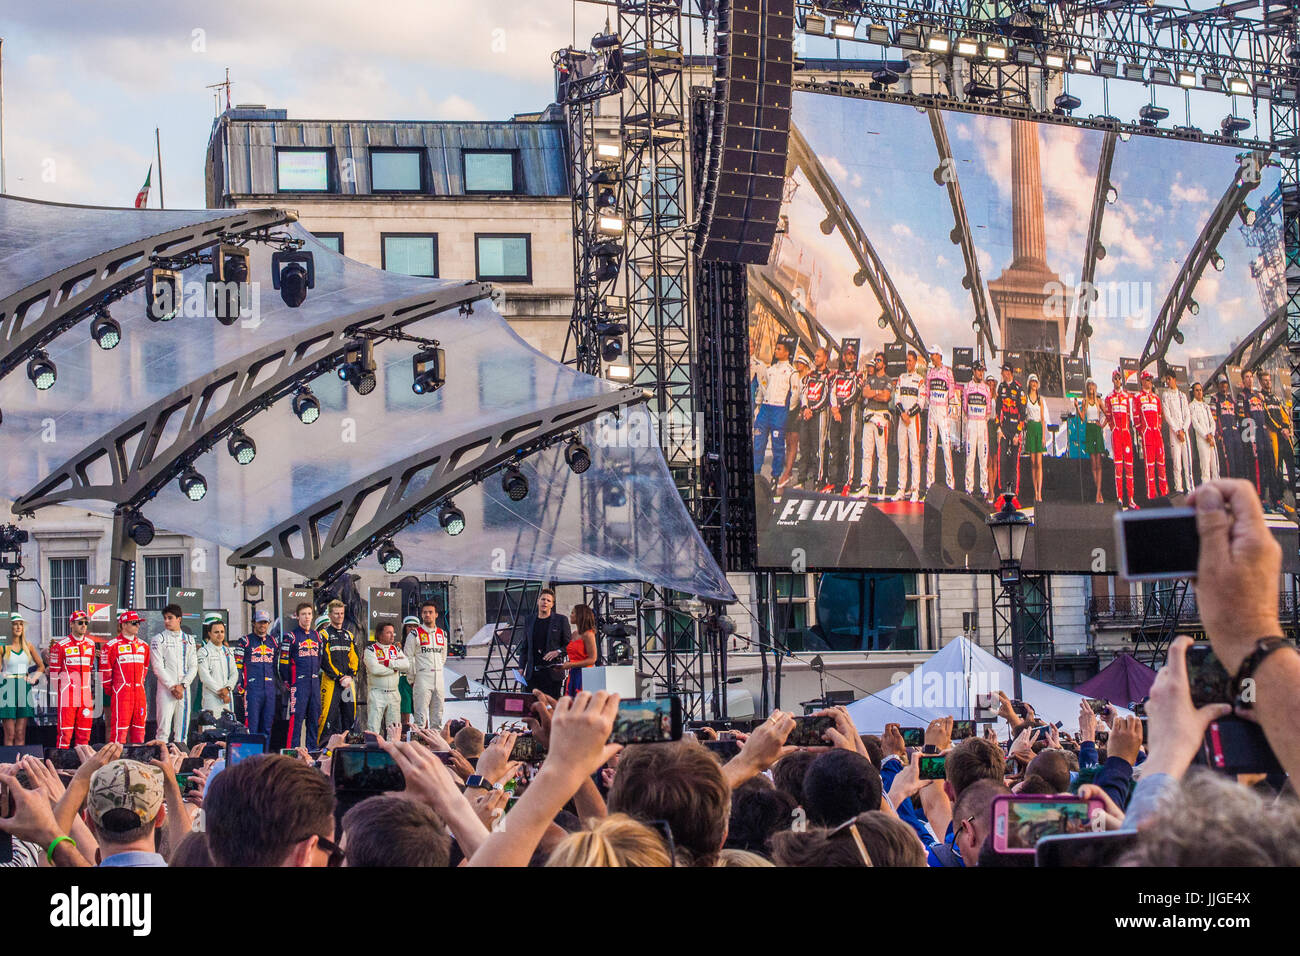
(750, 131)
(956, 535)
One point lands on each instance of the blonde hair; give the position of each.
(616, 840)
(730, 857)
(27, 646)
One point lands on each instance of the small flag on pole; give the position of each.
(142, 197)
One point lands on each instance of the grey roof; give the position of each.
(241, 151)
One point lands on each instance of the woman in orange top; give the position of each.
(581, 651)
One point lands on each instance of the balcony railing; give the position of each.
(1129, 609)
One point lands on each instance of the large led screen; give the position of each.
(925, 336)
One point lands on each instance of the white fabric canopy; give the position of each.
(947, 684)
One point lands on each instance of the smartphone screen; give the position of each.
(1210, 683)
(648, 721)
(1233, 746)
(725, 749)
(1020, 822)
(65, 759)
(1157, 545)
(1084, 849)
(527, 749)
(931, 766)
(810, 731)
(240, 747)
(502, 704)
(142, 752)
(961, 729)
(1096, 705)
(913, 736)
(366, 770)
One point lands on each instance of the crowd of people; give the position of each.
(846, 430)
(857, 799)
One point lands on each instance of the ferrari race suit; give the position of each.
(1119, 416)
(1259, 448)
(1149, 417)
(907, 399)
(1011, 430)
(976, 404)
(174, 660)
(814, 429)
(936, 396)
(259, 677)
(1279, 424)
(846, 434)
(1225, 410)
(300, 670)
(875, 431)
(123, 664)
(72, 668)
(1201, 417)
(1178, 418)
(217, 669)
(426, 649)
(338, 660)
(385, 663)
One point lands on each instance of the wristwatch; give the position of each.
(479, 782)
(1263, 648)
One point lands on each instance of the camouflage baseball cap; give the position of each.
(125, 785)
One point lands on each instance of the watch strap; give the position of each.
(479, 782)
(1263, 648)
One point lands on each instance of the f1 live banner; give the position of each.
(385, 608)
(100, 602)
(191, 602)
(290, 598)
(6, 627)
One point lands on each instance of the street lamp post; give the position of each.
(253, 588)
(1010, 529)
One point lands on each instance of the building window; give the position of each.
(397, 171)
(302, 170)
(330, 240)
(503, 258)
(67, 578)
(502, 598)
(864, 612)
(789, 610)
(161, 571)
(412, 254)
(490, 171)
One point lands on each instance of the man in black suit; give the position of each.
(545, 638)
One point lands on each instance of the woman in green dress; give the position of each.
(1037, 418)
(20, 667)
(1094, 441)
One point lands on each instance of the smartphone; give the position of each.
(1233, 745)
(240, 747)
(6, 839)
(1018, 706)
(183, 781)
(931, 766)
(1210, 682)
(913, 736)
(1096, 705)
(1159, 544)
(1019, 822)
(504, 704)
(527, 748)
(354, 738)
(143, 752)
(809, 731)
(1042, 731)
(725, 749)
(190, 764)
(288, 751)
(1084, 849)
(1139, 707)
(961, 729)
(648, 721)
(65, 759)
(14, 754)
(987, 706)
(366, 769)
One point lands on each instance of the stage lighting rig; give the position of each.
(139, 528)
(193, 485)
(242, 448)
(225, 282)
(577, 457)
(106, 331)
(451, 518)
(1216, 260)
(514, 484)
(1067, 103)
(1246, 215)
(428, 370)
(42, 371)
(1233, 125)
(163, 294)
(359, 366)
(306, 405)
(293, 272)
(1151, 115)
(390, 557)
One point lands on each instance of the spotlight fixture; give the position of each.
(230, 263)
(885, 76)
(1080, 63)
(909, 38)
(390, 558)
(242, 448)
(814, 24)
(1112, 194)
(968, 46)
(1216, 260)
(577, 457)
(193, 485)
(292, 274)
(605, 41)
(609, 225)
(1161, 74)
(1054, 60)
(843, 29)
(938, 43)
(1025, 54)
(882, 321)
(306, 405)
(995, 51)
(609, 151)
(1067, 102)
(451, 518)
(1244, 213)
(229, 272)
(619, 373)
(358, 368)
(42, 371)
(878, 33)
(1152, 114)
(1238, 86)
(1232, 125)
(1135, 72)
(611, 349)
(139, 529)
(428, 370)
(1193, 307)
(514, 484)
(979, 90)
(606, 199)
(1179, 338)
(1213, 82)
(1187, 79)
(1108, 68)
(106, 331)
(162, 294)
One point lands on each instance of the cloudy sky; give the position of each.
(882, 157)
(86, 82)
